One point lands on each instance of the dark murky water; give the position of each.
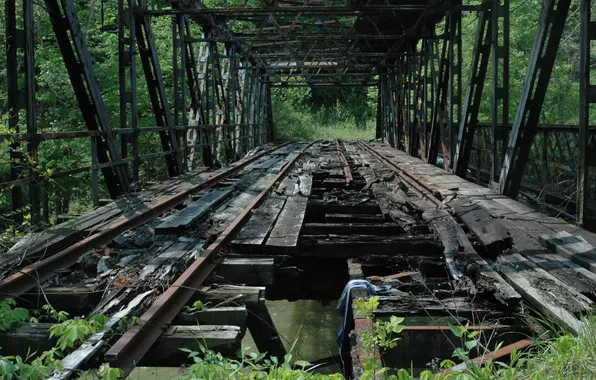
(306, 325)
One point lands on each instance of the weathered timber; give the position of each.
(220, 338)
(408, 305)
(320, 207)
(35, 337)
(284, 236)
(490, 231)
(95, 342)
(385, 229)
(230, 295)
(575, 248)
(547, 294)
(225, 315)
(464, 263)
(192, 213)
(288, 187)
(358, 245)
(559, 266)
(253, 235)
(354, 218)
(389, 204)
(248, 271)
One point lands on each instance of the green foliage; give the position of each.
(127, 323)
(208, 364)
(10, 314)
(197, 306)
(73, 331)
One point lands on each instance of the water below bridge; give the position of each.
(308, 325)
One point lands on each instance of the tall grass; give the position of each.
(294, 122)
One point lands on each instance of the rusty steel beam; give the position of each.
(345, 164)
(32, 275)
(131, 347)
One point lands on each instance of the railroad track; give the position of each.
(292, 222)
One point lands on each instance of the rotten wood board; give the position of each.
(489, 230)
(253, 235)
(382, 229)
(546, 293)
(464, 263)
(226, 315)
(359, 245)
(573, 247)
(463, 307)
(284, 236)
(192, 213)
(247, 270)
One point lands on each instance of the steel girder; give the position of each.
(525, 126)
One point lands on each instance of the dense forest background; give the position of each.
(299, 113)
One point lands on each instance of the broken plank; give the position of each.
(248, 270)
(230, 295)
(284, 236)
(575, 248)
(192, 213)
(547, 294)
(221, 338)
(383, 229)
(253, 235)
(464, 263)
(225, 315)
(359, 245)
(490, 231)
(354, 218)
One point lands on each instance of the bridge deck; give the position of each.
(297, 222)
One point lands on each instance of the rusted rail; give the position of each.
(418, 186)
(31, 276)
(135, 343)
(346, 165)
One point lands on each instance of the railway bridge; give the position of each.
(431, 210)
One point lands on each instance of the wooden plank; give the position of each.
(409, 305)
(490, 231)
(247, 271)
(559, 266)
(359, 245)
(544, 292)
(193, 212)
(354, 218)
(575, 248)
(253, 235)
(263, 331)
(219, 338)
(227, 295)
(385, 229)
(464, 263)
(226, 315)
(284, 236)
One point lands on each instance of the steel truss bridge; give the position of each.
(227, 60)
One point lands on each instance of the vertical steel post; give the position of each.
(473, 98)
(455, 82)
(525, 126)
(127, 73)
(500, 84)
(14, 38)
(587, 97)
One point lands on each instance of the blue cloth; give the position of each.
(345, 304)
